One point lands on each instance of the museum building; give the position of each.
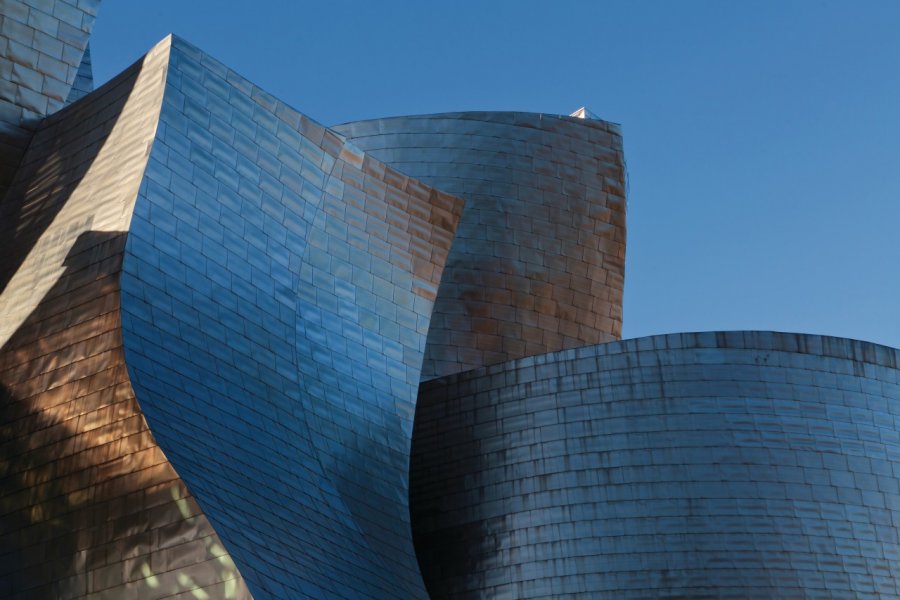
(243, 354)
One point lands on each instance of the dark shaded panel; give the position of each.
(711, 465)
(84, 79)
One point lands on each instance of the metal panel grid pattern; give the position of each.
(84, 79)
(277, 288)
(538, 261)
(725, 465)
(89, 505)
(41, 48)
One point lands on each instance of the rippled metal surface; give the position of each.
(276, 288)
(719, 465)
(213, 325)
(42, 43)
(276, 293)
(89, 504)
(538, 261)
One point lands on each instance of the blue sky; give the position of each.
(762, 138)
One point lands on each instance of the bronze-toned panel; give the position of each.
(538, 261)
(89, 505)
(276, 293)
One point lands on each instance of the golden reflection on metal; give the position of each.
(89, 503)
(152, 581)
(102, 200)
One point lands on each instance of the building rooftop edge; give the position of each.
(488, 115)
(773, 341)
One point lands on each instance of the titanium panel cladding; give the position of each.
(538, 261)
(711, 465)
(276, 293)
(84, 79)
(89, 505)
(42, 43)
(42, 46)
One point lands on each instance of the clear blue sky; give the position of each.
(762, 138)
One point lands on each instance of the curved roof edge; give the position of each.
(774, 341)
(502, 116)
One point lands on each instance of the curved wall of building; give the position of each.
(42, 46)
(43, 43)
(213, 321)
(538, 261)
(90, 507)
(276, 292)
(726, 465)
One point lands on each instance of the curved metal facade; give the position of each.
(216, 313)
(183, 248)
(276, 292)
(89, 504)
(42, 60)
(726, 465)
(43, 45)
(538, 261)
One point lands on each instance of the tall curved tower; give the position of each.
(707, 465)
(538, 262)
(276, 290)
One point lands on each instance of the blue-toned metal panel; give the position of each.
(710, 465)
(538, 262)
(41, 48)
(84, 78)
(276, 294)
(42, 43)
(90, 507)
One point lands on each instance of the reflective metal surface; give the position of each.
(276, 293)
(84, 78)
(42, 43)
(213, 325)
(710, 465)
(538, 261)
(89, 504)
